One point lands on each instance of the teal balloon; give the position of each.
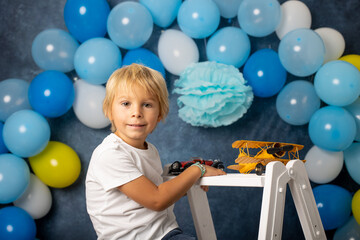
(26, 133)
(198, 18)
(86, 19)
(163, 12)
(349, 231)
(352, 161)
(54, 49)
(297, 102)
(338, 83)
(15, 177)
(332, 128)
(16, 223)
(334, 205)
(51, 93)
(228, 8)
(129, 25)
(301, 52)
(259, 18)
(354, 109)
(13, 97)
(229, 45)
(96, 59)
(264, 73)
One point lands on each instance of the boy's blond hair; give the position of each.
(127, 77)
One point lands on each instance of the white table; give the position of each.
(274, 182)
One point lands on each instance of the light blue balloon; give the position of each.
(338, 83)
(198, 18)
(163, 12)
(129, 25)
(13, 97)
(96, 59)
(297, 102)
(26, 133)
(229, 45)
(228, 8)
(15, 177)
(301, 52)
(332, 128)
(354, 109)
(54, 49)
(3, 148)
(352, 161)
(349, 231)
(259, 18)
(334, 205)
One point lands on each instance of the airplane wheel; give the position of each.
(259, 169)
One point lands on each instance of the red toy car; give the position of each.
(178, 167)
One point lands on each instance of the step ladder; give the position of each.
(274, 182)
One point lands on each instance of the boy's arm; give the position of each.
(158, 198)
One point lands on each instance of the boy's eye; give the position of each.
(147, 105)
(125, 104)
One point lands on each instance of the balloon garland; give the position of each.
(25, 120)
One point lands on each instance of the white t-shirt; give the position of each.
(113, 214)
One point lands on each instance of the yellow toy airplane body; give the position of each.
(254, 155)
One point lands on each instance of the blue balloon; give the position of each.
(354, 109)
(229, 8)
(3, 148)
(297, 102)
(96, 59)
(54, 49)
(51, 93)
(15, 177)
(352, 161)
(13, 97)
(26, 133)
(86, 19)
(332, 128)
(259, 18)
(338, 83)
(129, 25)
(349, 231)
(229, 45)
(16, 223)
(198, 18)
(264, 73)
(334, 205)
(163, 12)
(302, 52)
(144, 57)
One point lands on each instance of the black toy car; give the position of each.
(178, 167)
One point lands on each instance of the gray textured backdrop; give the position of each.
(235, 211)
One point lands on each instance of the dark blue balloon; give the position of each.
(3, 148)
(86, 19)
(144, 57)
(51, 93)
(334, 205)
(265, 73)
(16, 223)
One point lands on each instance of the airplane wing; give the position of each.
(261, 144)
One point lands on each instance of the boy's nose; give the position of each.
(137, 112)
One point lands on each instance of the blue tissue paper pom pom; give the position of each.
(212, 94)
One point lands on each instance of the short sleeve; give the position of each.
(114, 168)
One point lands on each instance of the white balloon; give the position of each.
(295, 14)
(177, 51)
(88, 104)
(334, 43)
(36, 200)
(323, 166)
(228, 8)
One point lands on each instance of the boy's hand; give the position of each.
(211, 171)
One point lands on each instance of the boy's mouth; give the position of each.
(136, 125)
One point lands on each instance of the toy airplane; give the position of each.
(254, 155)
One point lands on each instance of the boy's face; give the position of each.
(135, 115)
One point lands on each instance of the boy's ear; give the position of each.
(159, 118)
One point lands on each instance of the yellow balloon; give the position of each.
(354, 59)
(57, 165)
(355, 205)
